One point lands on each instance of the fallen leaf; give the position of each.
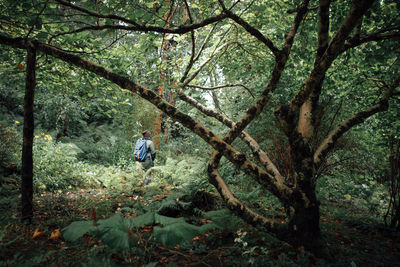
(56, 234)
(37, 233)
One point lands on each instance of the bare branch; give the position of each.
(221, 86)
(307, 110)
(37, 18)
(98, 15)
(302, 10)
(294, 10)
(134, 26)
(194, 58)
(195, 73)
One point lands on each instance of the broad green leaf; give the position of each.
(76, 230)
(142, 220)
(177, 233)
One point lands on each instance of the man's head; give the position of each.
(146, 134)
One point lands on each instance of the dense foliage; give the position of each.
(298, 99)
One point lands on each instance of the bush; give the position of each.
(56, 167)
(10, 146)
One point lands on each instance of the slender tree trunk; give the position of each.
(161, 89)
(167, 125)
(27, 159)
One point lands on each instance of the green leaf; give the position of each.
(117, 219)
(176, 233)
(164, 220)
(117, 238)
(76, 230)
(142, 220)
(42, 36)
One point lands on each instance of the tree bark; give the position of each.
(27, 159)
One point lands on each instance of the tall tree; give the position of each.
(27, 144)
(271, 48)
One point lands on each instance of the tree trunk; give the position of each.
(304, 220)
(27, 159)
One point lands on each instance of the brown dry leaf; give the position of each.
(37, 233)
(56, 234)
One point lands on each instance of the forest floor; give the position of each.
(352, 238)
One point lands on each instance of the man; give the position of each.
(151, 154)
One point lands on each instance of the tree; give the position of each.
(276, 33)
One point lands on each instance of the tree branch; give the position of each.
(328, 143)
(221, 86)
(250, 29)
(390, 33)
(239, 208)
(195, 73)
(257, 108)
(191, 59)
(357, 10)
(305, 124)
(134, 26)
(236, 157)
(256, 149)
(323, 28)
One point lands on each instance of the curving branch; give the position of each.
(221, 86)
(239, 159)
(359, 7)
(131, 25)
(239, 208)
(254, 146)
(97, 15)
(389, 33)
(256, 109)
(37, 18)
(328, 143)
(193, 57)
(250, 29)
(280, 63)
(196, 72)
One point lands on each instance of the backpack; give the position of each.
(140, 150)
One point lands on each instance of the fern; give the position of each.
(76, 230)
(115, 231)
(224, 219)
(178, 233)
